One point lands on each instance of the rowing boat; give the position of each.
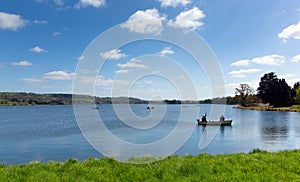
(221, 123)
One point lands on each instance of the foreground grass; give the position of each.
(294, 108)
(255, 166)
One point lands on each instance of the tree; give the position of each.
(275, 91)
(294, 90)
(266, 87)
(243, 91)
(297, 97)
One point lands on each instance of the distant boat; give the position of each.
(148, 107)
(220, 123)
(95, 107)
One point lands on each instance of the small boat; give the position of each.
(148, 107)
(95, 108)
(220, 123)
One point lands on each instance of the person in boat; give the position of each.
(203, 119)
(222, 118)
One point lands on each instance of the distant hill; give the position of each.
(23, 99)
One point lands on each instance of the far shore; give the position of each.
(294, 108)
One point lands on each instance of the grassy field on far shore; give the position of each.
(255, 166)
(294, 108)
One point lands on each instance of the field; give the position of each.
(255, 166)
(294, 108)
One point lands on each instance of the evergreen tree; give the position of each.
(275, 91)
(296, 86)
(297, 97)
(266, 87)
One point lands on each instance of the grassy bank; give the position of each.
(294, 108)
(255, 166)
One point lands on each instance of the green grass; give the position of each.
(255, 166)
(294, 108)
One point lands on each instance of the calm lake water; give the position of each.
(44, 133)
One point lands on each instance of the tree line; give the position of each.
(23, 99)
(271, 90)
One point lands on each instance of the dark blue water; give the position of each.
(44, 133)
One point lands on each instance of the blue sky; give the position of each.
(41, 42)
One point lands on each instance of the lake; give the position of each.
(43, 133)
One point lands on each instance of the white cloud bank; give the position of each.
(242, 72)
(22, 63)
(58, 75)
(166, 51)
(113, 54)
(58, 2)
(241, 63)
(150, 21)
(37, 49)
(41, 22)
(190, 19)
(11, 21)
(296, 59)
(130, 66)
(93, 3)
(272, 60)
(134, 63)
(174, 3)
(55, 34)
(32, 80)
(145, 22)
(290, 32)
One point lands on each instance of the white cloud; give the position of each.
(93, 3)
(22, 63)
(292, 81)
(32, 80)
(11, 21)
(99, 80)
(62, 8)
(190, 19)
(242, 72)
(80, 58)
(290, 32)
(37, 49)
(58, 2)
(273, 60)
(122, 72)
(40, 21)
(113, 54)
(166, 51)
(296, 59)
(107, 82)
(56, 34)
(174, 3)
(145, 22)
(238, 75)
(254, 84)
(58, 75)
(289, 75)
(134, 63)
(148, 81)
(241, 63)
(102, 81)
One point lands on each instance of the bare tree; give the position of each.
(244, 91)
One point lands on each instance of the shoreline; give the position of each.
(294, 108)
(253, 166)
